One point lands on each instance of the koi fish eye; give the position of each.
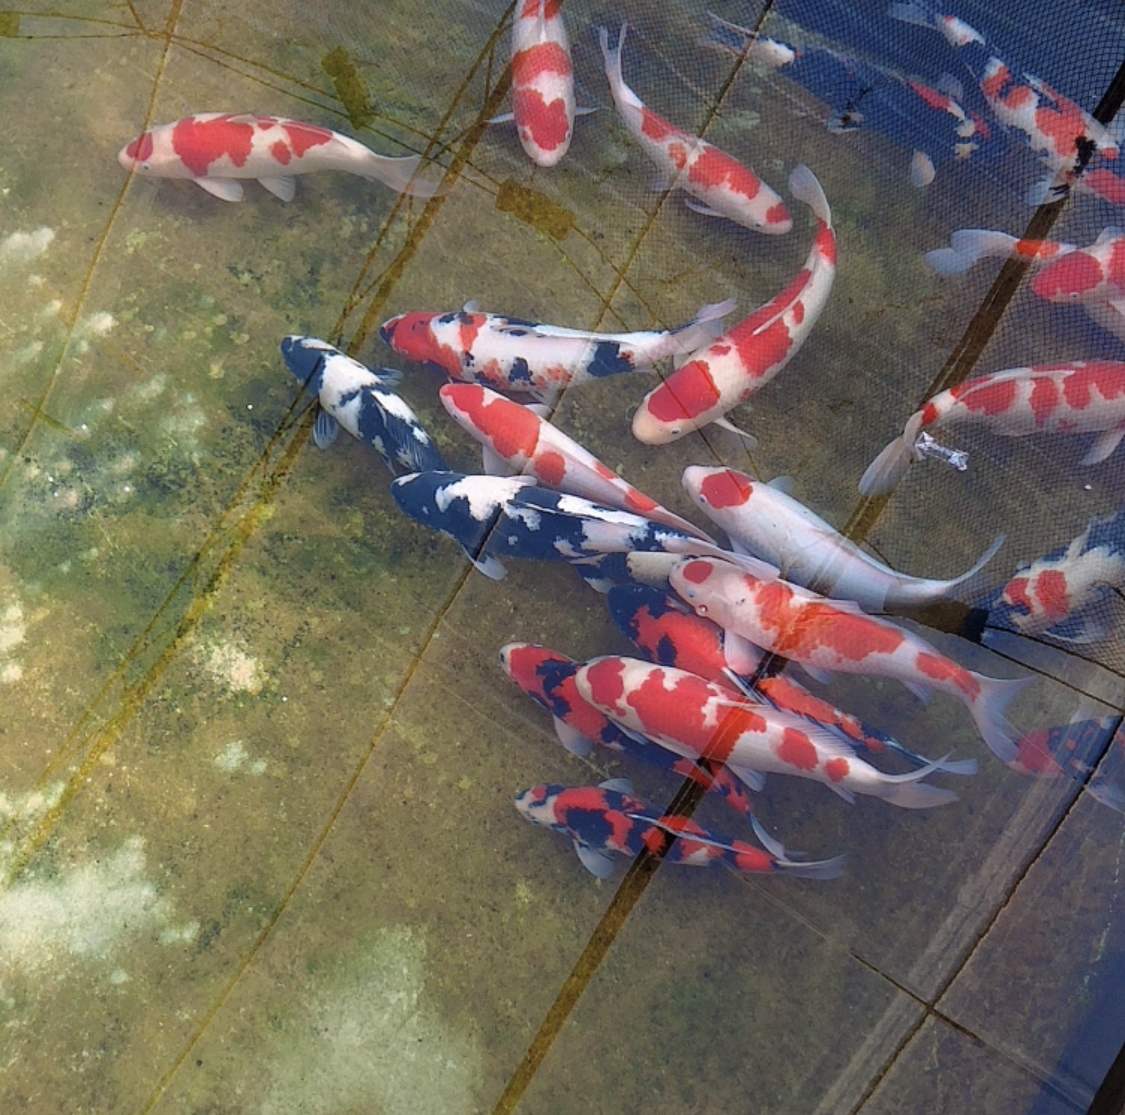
(701, 609)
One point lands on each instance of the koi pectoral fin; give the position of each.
(597, 863)
(226, 189)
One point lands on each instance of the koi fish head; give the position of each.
(305, 356)
(1069, 278)
(411, 335)
(148, 156)
(538, 805)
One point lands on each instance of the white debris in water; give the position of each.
(235, 755)
(20, 247)
(369, 1039)
(86, 912)
(233, 668)
(12, 633)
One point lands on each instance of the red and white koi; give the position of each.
(667, 632)
(826, 635)
(215, 149)
(1054, 127)
(1089, 276)
(745, 358)
(968, 246)
(701, 720)
(717, 183)
(523, 357)
(1079, 398)
(767, 522)
(542, 81)
(517, 440)
(607, 819)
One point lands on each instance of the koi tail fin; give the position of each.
(912, 13)
(803, 185)
(981, 562)
(815, 869)
(704, 328)
(968, 246)
(884, 473)
(401, 175)
(908, 791)
(612, 56)
(989, 711)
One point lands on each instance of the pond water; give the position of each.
(258, 757)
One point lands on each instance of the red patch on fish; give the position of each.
(716, 170)
(280, 152)
(1051, 588)
(1075, 273)
(1044, 398)
(546, 125)
(797, 750)
(1109, 379)
(726, 489)
(697, 571)
(655, 127)
(837, 769)
(988, 398)
(303, 136)
(200, 144)
(688, 392)
(141, 148)
(941, 669)
(606, 681)
(550, 466)
(543, 58)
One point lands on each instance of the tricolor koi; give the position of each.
(667, 632)
(718, 184)
(607, 820)
(1049, 595)
(517, 440)
(1079, 398)
(702, 720)
(727, 372)
(215, 149)
(765, 521)
(522, 357)
(547, 677)
(835, 635)
(364, 402)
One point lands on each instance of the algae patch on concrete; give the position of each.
(368, 1039)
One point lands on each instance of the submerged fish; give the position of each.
(968, 246)
(1050, 592)
(700, 719)
(607, 820)
(510, 355)
(542, 81)
(363, 402)
(516, 439)
(719, 184)
(1092, 277)
(667, 632)
(548, 679)
(834, 635)
(767, 522)
(215, 149)
(1079, 398)
(729, 370)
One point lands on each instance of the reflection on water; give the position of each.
(257, 757)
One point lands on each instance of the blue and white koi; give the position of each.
(363, 402)
(702, 720)
(548, 679)
(767, 522)
(607, 820)
(215, 149)
(1047, 596)
(668, 633)
(513, 356)
(718, 184)
(1079, 398)
(516, 439)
